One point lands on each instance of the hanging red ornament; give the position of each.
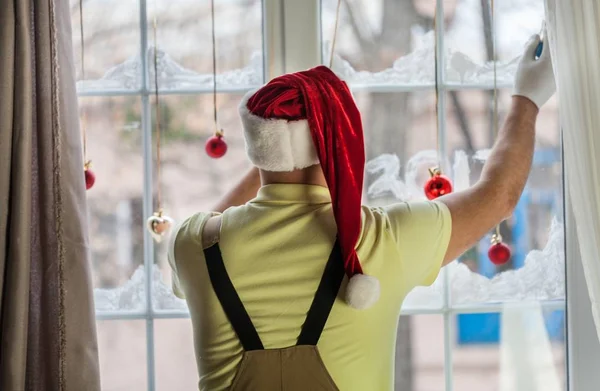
(216, 146)
(498, 253)
(437, 185)
(90, 177)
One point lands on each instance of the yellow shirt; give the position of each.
(275, 248)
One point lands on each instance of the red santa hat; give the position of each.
(307, 118)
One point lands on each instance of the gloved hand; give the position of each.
(535, 78)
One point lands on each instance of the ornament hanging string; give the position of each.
(88, 174)
(437, 91)
(498, 252)
(158, 224)
(83, 113)
(157, 122)
(495, 91)
(215, 146)
(335, 30)
(438, 184)
(214, 66)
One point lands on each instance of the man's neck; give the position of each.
(308, 176)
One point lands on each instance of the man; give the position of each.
(269, 310)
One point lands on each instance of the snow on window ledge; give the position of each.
(417, 68)
(172, 76)
(542, 276)
(131, 296)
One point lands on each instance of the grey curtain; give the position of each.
(47, 330)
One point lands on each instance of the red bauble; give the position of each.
(438, 185)
(498, 253)
(216, 146)
(90, 177)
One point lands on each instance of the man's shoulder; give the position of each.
(190, 230)
(396, 217)
(380, 214)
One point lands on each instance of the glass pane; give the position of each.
(185, 43)
(469, 38)
(175, 359)
(522, 348)
(111, 41)
(116, 221)
(122, 351)
(534, 232)
(381, 42)
(193, 182)
(400, 136)
(420, 353)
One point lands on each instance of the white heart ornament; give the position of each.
(158, 225)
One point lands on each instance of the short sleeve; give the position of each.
(171, 258)
(421, 231)
(183, 246)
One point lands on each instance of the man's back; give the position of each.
(275, 249)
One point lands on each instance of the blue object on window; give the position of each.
(540, 46)
(484, 329)
(538, 50)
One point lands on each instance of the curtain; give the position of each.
(574, 31)
(47, 329)
(526, 357)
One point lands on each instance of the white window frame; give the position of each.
(297, 24)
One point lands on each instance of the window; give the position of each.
(144, 336)
(468, 328)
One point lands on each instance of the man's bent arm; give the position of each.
(492, 199)
(478, 209)
(244, 191)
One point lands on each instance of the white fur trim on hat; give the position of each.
(277, 144)
(362, 291)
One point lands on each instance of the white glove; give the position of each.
(535, 78)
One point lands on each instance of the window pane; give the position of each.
(191, 181)
(175, 360)
(185, 43)
(400, 136)
(381, 42)
(534, 232)
(469, 38)
(111, 41)
(122, 351)
(420, 361)
(522, 348)
(116, 220)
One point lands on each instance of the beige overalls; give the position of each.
(295, 368)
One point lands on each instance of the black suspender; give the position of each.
(230, 301)
(324, 298)
(240, 320)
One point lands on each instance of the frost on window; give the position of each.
(417, 68)
(387, 179)
(132, 295)
(541, 277)
(387, 167)
(171, 75)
